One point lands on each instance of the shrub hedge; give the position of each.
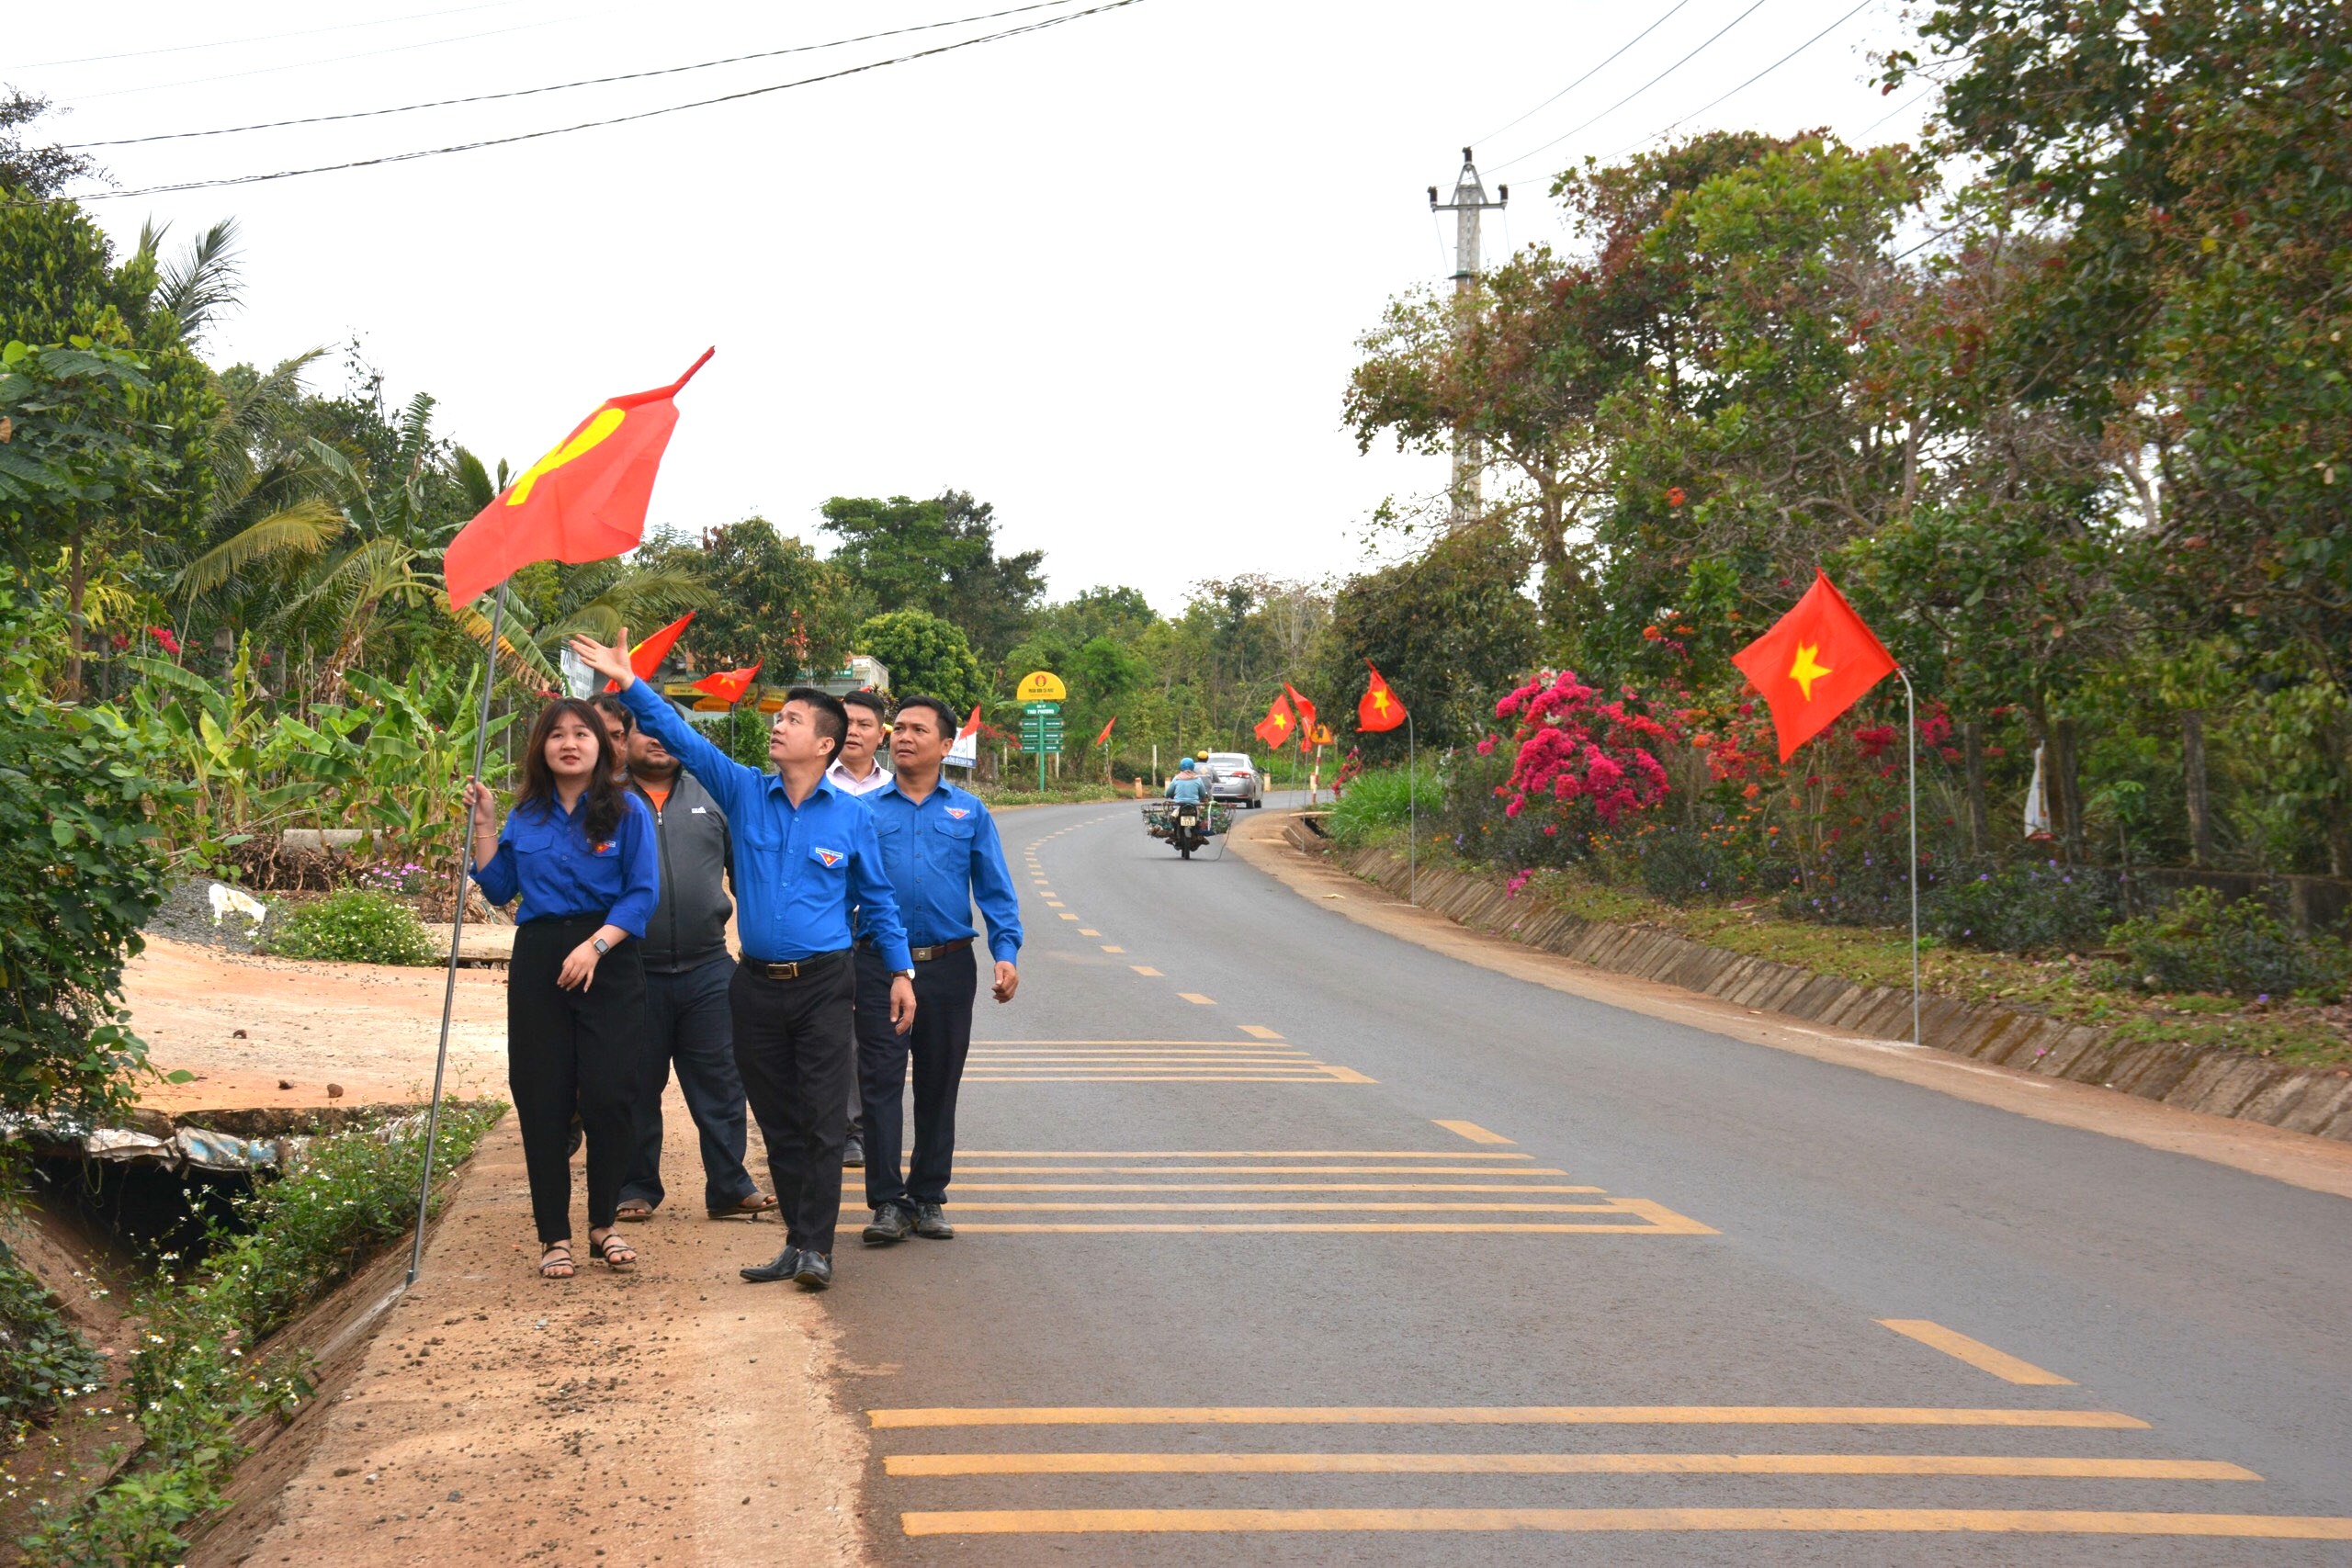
(356, 926)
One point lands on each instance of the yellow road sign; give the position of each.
(1040, 686)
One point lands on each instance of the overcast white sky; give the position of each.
(1108, 276)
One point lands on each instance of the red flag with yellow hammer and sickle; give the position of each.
(1813, 664)
(584, 501)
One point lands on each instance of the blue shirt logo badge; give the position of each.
(957, 812)
(831, 857)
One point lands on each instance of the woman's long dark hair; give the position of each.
(605, 803)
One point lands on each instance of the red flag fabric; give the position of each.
(584, 501)
(971, 725)
(646, 656)
(1813, 664)
(1275, 728)
(1106, 730)
(1378, 708)
(1301, 706)
(727, 685)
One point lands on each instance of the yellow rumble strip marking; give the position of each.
(1977, 1354)
(1476, 1134)
(1243, 1170)
(963, 1185)
(1260, 1030)
(1938, 1521)
(1493, 1415)
(1563, 1464)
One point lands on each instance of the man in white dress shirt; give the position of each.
(857, 770)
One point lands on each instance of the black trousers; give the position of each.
(688, 1018)
(572, 1049)
(941, 1038)
(796, 1047)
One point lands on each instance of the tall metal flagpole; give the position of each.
(456, 927)
(1911, 753)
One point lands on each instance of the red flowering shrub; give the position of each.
(1586, 761)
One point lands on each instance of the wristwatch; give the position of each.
(601, 945)
(902, 974)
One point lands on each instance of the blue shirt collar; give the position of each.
(942, 790)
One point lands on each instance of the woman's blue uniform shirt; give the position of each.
(544, 853)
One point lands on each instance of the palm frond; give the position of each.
(474, 479)
(522, 659)
(201, 282)
(303, 528)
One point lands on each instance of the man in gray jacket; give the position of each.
(688, 968)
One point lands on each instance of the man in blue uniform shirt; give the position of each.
(940, 846)
(805, 856)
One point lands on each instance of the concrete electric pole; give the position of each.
(1469, 201)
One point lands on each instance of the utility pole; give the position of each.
(1469, 201)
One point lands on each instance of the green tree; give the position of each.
(1452, 631)
(924, 654)
(773, 601)
(939, 556)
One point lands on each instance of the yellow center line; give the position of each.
(1415, 1227)
(1144, 969)
(1230, 1154)
(1108, 947)
(1494, 1416)
(963, 1185)
(1562, 1464)
(1247, 1171)
(1083, 931)
(1196, 998)
(1264, 1207)
(1476, 1134)
(1064, 915)
(1976, 1353)
(1939, 1521)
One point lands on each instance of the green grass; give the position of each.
(2081, 991)
(1378, 802)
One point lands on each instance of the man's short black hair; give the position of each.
(867, 697)
(832, 719)
(610, 702)
(948, 723)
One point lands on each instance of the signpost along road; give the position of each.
(1041, 694)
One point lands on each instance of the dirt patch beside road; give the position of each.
(368, 1028)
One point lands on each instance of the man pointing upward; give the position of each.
(805, 856)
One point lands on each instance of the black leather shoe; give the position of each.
(930, 1222)
(853, 1153)
(816, 1271)
(891, 1224)
(784, 1265)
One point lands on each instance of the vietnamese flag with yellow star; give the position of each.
(584, 501)
(1275, 728)
(1813, 664)
(727, 685)
(1378, 709)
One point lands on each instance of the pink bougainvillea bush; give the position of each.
(1579, 762)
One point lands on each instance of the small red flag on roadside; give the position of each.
(646, 656)
(1378, 708)
(1106, 731)
(727, 685)
(1275, 728)
(1815, 662)
(584, 501)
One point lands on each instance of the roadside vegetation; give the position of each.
(204, 1366)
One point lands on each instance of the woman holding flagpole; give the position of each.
(580, 849)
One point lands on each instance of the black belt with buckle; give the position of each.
(798, 968)
(925, 955)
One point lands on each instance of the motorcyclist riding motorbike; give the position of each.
(1190, 791)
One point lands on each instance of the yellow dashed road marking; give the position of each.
(1198, 999)
(1144, 969)
(1472, 1131)
(1260, 1030)
(1977, 1354)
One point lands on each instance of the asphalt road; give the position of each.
(1286, 1241)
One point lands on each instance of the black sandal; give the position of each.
(555, 1261)
(613, 1252)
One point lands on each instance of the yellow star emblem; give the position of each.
(1807, 669)
(1380, 703)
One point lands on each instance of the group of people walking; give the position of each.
(853, 893)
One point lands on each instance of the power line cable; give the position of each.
(268, 38)
(565, 86)
(1589, 74)
(573, 18)
(1910, 103)
(1719, 97)
(1636, 93)
(616, 120)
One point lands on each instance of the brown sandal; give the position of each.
(613, 1252)
(555, 1261)
(750, 1208)
(634, 1209)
